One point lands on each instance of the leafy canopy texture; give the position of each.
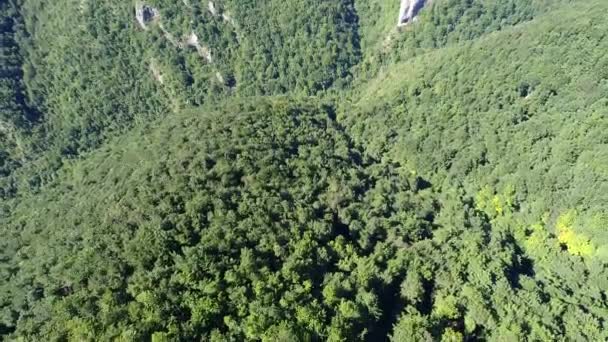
(303, 171)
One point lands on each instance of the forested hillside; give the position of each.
(92, 69)
(530, 130)
(15, 115)
(303, 170)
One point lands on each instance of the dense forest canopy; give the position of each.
(303, 170)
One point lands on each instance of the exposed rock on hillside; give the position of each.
(145, 14)
(228, 18)
(409, 10)
(219, 77)
(203, 51)
(212, 8)
(158, 76)
(170, 37)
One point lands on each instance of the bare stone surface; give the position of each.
(409, 10)
(145, 14)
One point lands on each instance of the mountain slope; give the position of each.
(15, 115)
(94, 71)
(444, 181)
(260, 221)
(496, 116)
(226, 225)
(439, 24)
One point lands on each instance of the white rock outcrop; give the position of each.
(228, 18)
(145, 14)
(203, 51)
(219, 77)
(212, 8)
(409, 10)
(158, 76)
(170, 37)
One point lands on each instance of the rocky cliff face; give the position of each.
(408, 11)
(145, 14)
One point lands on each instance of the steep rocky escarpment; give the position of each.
(409, 10)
